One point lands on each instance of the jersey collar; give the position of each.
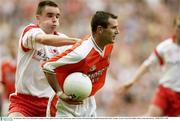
(96, 46)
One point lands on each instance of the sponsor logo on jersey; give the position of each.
(93, 68)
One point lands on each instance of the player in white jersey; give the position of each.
(166, 101)
(35, 46)
(92, 57)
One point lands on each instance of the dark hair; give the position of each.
(101, 18)
(42, 5)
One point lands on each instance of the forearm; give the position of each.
(54, 40)
(139, 73)
(52, 80)
(51, 77)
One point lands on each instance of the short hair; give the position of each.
(101, 18)
(44, 3)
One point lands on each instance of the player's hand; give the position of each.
(69, 99)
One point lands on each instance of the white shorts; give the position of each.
(87, 109)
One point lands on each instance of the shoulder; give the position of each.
(165, 44)
(84, 47)
(32, 28)
(79, 50)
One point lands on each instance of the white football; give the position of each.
(77, 85)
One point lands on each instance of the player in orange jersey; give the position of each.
(90, 56)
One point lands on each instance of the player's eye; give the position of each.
(57, 16)
(49, 15)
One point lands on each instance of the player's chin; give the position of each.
(113, 40)
(54, 28)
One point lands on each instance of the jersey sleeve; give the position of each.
(69, 57)
(28, 39)
(156, 57)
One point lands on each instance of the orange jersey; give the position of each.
(8, 69)
(85, 57)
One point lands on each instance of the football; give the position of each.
(77, 85)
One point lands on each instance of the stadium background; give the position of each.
(142, 23)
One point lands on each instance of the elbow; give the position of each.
(47, 69)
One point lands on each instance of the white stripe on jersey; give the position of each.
(74, 56)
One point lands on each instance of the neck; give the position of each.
(47, 32)
(98, 42)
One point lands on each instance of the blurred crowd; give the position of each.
(142, 23)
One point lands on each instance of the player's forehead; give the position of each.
(112, 22)
(51, 9)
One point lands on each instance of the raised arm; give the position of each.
(54, 40)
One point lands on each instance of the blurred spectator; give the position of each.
(7, 70)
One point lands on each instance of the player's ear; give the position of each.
(99, 29)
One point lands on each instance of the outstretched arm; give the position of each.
(54, 40)
(139, 73)
(35, 38)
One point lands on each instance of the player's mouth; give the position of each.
(54, 26)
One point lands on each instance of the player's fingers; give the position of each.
(65, 97)
(74, 102)
(70, 100)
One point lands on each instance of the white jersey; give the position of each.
(30, 78)
(167, 54)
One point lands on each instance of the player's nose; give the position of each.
(54, 19)
(116, 31)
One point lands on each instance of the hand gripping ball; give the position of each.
(77, 85)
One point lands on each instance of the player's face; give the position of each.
(109, 33)
(49, 19)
